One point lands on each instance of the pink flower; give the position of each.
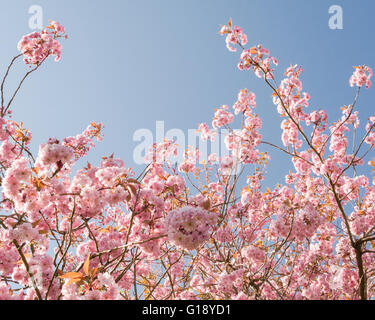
(222, 117)
(206, 133)
(245, 101)
(177, 183)
(361, 77)
(234, 36)
(38, 46)
(253, 253)
(53, 152)
(188, 227)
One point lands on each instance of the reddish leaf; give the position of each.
(206, 204)
(74, 280)
(86, 266)
(72, 275)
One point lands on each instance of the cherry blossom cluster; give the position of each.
(37, 46)
(206, 132)
(188, 227)
(222, 117)
(241, 143)
(258, 59)
(53, 152)
(361, 77)
(234, 36)
(245, 101)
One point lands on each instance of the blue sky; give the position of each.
(129, 63)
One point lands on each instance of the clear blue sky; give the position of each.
(130, 63)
